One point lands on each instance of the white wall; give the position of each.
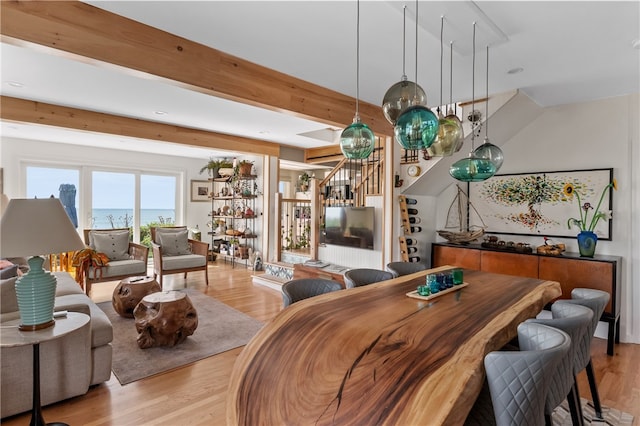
(14, 153)
(598, 134)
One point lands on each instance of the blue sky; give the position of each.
(110, 190)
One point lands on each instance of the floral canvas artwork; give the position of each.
(542, 203)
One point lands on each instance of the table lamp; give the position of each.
(32, 227)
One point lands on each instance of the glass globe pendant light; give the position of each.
(488, 150)
(417, 126)
(357, 140)
(472, 168)
(450, 134)
(399, 96)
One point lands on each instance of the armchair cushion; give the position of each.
(119, 268)
(115, 244)
(182, 262)
(175, 243)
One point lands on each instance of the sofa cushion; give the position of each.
(182, 262)
(118, 268)
(65, 284)
(9, 271)
(8, 299)
(115, 244)
(175, 243)
(101, 329)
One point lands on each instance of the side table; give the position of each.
(11, 336)
(130, 291)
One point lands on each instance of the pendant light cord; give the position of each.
(451, 77)
(416, 92)
(441, 56)
(473, 89)
(486, 111)
(404, 31)
(358, 60)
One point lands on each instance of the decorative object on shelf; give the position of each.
(493, 242)
(550, 247)
(304, 181)
(587, 239)
(244, 168)
(457, 229)
(31, 227)
(200, 190)
(413, 170)
(487, 150)
(472, 168)
(214, 165)
(357, 140)
(450, 135)
(398, 97)
(398, 182)
(535, 203)
(417, 126)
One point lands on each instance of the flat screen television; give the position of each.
(348, 226)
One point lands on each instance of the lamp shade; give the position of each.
(357, 140)
(490, 152)
(472, 169)
(399, 97)
(416, 128)
(32, 227)
(449, 138)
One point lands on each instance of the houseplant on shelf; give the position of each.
(214, 165)
(587, 238)
(304, 181)
(244, 168)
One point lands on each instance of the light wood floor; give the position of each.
(196, 394)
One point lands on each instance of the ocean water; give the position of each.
(101, 217)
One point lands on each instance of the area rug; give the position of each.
(220, 328)
(611, 416)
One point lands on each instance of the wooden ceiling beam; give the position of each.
(20, 110)
(91, 34)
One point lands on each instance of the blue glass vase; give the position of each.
(587, 241)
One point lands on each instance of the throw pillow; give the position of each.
(114, 244)
(175, 243)
(9, 270)
(162, 230)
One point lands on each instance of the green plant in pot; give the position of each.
(244, 167)
(214, 165)
(304, 181)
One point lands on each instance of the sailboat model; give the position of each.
(456, 229)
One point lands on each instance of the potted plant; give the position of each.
(304, 181)
(244, 167)
(214, 165)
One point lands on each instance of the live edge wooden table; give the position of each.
(373, 356)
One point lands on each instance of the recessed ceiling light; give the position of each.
(263, 132)
(15, 84)
(636, 43)
(161, 112)
(516, 70)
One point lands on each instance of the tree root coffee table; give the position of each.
(130, 292)
(164, 319)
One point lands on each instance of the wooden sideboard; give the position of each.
(569, 269)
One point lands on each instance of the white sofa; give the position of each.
(69, 365)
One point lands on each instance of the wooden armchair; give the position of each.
(182, 255)
(126, 259)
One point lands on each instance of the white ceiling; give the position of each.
(570, 52)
